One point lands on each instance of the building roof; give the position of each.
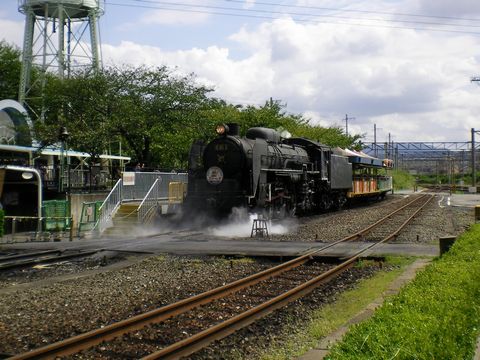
(58, 152)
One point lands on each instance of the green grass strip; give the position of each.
(436, 316)
(331, 316)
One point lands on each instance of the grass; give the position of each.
(437, 316)
(332, 316)
(402, 180)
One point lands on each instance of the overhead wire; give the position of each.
(295, 19)
(353, 10)
(169, 3)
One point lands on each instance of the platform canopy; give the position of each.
(57, 151)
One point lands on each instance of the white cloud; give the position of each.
(179, 15)
(467, 8)
(172, 17)
(249, 4)
(412, 84)
(12, 31)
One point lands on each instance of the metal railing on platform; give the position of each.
(34, 228)
(149, 202)
(109, 206)
(147, 187)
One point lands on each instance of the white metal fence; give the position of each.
(143, 181)
(109, 206)
(149, 202)
(147, 187)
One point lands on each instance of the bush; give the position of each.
(402, 180)
(437, 316)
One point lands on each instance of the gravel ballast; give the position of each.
(37, 316)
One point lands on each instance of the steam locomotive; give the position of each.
(279, 176)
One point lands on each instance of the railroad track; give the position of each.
(37, 258)
(217, 313)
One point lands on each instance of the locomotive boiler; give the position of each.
(266, 172)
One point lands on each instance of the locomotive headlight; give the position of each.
(214, 175)
(221, 129)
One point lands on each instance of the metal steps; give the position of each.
(124, 221)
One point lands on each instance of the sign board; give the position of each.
(472, 189)
(129, 178)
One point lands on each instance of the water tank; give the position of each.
(74, 8)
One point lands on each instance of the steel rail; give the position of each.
(200, 340)
(45, 260)
(86, 340)
(94, 337)
(29, 255)
(360, 234)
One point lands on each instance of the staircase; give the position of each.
(125, 221)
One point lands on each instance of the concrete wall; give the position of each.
(77, 203)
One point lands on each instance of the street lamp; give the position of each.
(63, 135)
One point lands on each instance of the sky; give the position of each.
(404, 65)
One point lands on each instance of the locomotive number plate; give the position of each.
(214, 175)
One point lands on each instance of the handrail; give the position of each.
(147, 186)
(149, 201)
(109, 205)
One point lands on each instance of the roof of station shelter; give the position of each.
(57, 151)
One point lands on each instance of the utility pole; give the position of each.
(389, 145)
(346, 123)
(375, 139)
(474, 167)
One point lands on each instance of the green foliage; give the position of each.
(438, 179)
(402, 180)
(437, 316)
(82, 104)
(10, 67)
(155, 114)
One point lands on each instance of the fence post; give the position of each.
(14, 228)
(39, 228)
(71, 228)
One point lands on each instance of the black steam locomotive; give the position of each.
(279, 176)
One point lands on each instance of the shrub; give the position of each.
(437, 316)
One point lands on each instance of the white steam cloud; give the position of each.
(239, 224)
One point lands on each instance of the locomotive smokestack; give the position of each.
(233, 129)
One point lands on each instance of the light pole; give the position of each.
(63, 135)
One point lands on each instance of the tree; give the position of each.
(10, 67)
(84, 105)
(154, 110)
(156, 113)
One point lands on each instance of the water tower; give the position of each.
(56, 38)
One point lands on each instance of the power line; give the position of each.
(167, 3)
(295, 19)
(356, 10)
